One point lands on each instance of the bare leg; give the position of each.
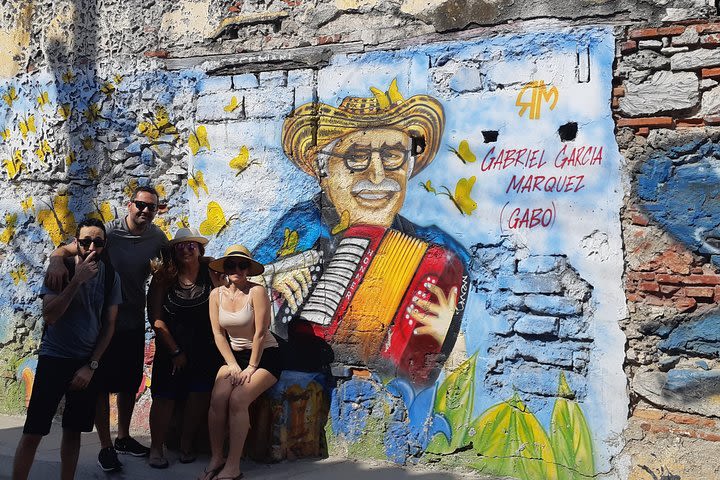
(102, 419)
(24, 456)
(240, 399)
(160, 415)
(196, 408)
(69, 452)
(125, 406)
(217, 419)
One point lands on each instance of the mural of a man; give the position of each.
(363, 154)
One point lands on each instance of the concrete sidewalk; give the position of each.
(47, 463)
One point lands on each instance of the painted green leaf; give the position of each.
(454, 400)
(509, 440)
(570, 436)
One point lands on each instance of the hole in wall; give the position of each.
(490, 136)
(568, 132)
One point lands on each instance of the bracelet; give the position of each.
(177, 352)
(254, 366)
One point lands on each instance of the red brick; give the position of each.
(634, 297)
(712, 120)
(640, 219)
(669, 289)
(689, 123)
(710, 40)
(649, 287)
(654, 122)
(710, 72)
(708, 28)
(675, 262)
(711, 437)
(685, 304)
(702, 279)
(648, 413)
(647, 276)
(717, 294)
(157, 53)
(615, 103)
(672, 279)
(700, 292)
(655, 301)
(325, 39)
(643, 33)
(685, 419)
(618, 92)
(628, 47)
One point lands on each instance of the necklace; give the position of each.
(185, 284)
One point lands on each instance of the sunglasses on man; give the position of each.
(86, 242)
(140, 205)
(232, 265)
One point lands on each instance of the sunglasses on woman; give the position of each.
(189, 246)
(231, 265)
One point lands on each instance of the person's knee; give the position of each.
(239, 402)
(29, 440)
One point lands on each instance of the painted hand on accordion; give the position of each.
(435, 317)
(293, 285)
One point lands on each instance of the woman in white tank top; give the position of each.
(240, 318)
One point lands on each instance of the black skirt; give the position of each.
(271, 360)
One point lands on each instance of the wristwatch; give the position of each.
(93, 364)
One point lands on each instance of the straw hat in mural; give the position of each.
(188, 235)
(237, 252)
(313, 126)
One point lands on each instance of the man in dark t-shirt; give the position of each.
(79, 323)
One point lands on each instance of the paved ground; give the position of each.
(46, 465)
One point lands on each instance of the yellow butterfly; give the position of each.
(14, 165)
(158, 124)
(10, 96)
(64, 110)
(57, 219)
(428, 187)
(118, 78)
(102, 212)
(183, 222)
(19, 274)
(88, 143)
(215, 223)
(462, 199)
(391, 97)
(5, 134)
(68, 77)
(232, 106)
(196, 182)
(343, 224)
(198, 139)
(242, 161)
(43, 100)
(10, 224)
(108, 88)
(160, 189)
(70, 158)
(44, 151)
(92, 113)
(27, 205)
(163, 224)
(290, 243)
(27, 125)
(463, 152)
(130, 187)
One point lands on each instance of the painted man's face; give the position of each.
(367, 175)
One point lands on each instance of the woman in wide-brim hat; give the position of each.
(240, 317)
(186, 359)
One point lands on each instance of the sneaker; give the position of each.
(108, 460)
(130, 446)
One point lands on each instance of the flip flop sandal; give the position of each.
(159, 463)
(230, 478)
(211, 474)
(186, 457)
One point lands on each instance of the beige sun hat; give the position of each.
(188, 235)
(238, 252)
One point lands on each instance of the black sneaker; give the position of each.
(130, 446)
(108, 460)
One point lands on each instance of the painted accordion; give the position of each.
(363, 299)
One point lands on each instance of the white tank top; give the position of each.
(240, 326)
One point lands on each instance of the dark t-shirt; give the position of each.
(130, 255)
(75, 333)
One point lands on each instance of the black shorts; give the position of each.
(121, 366)
(198, 376)
(52, 378)
(271, 360)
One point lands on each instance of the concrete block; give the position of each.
(540, 263)
(214, 84)
(277, 78)
(695, 59)
(552, 305)
(213, 107)
(246, 80)
(663, 91)
(304, 95)
(466, 79)
(698, 337)
(575, 328)
(270, 102)
(531, 283)
(300, 78)
(536, 325)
